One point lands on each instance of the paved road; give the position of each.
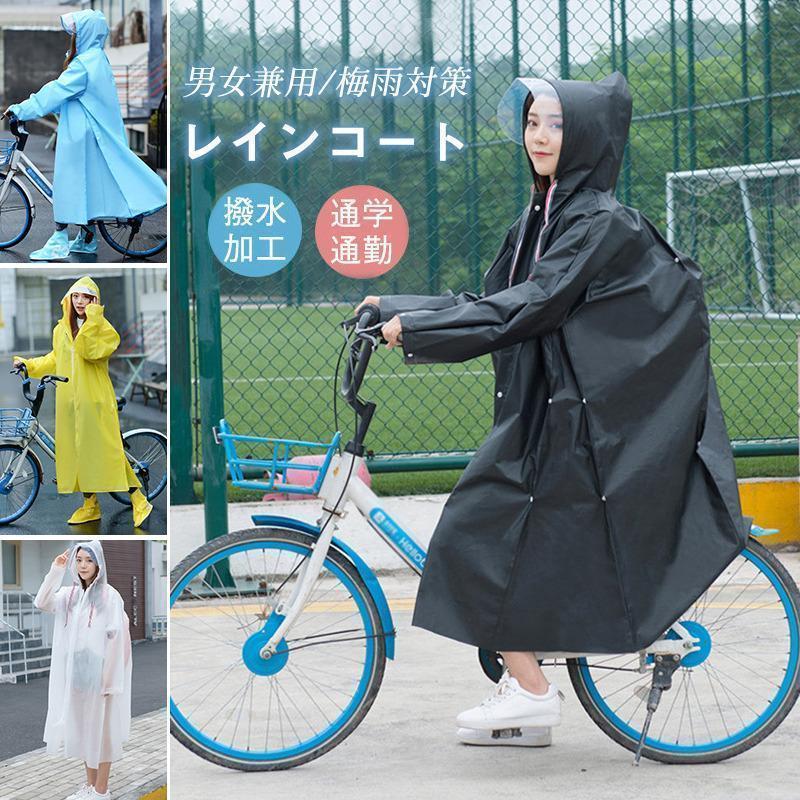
(406, 745)
(43, 226)
(50, 512)
(23, 706)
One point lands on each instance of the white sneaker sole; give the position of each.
(507, 737)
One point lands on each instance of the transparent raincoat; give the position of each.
(89, 697)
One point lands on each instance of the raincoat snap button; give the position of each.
(603, 498)
(549, 399)
(531, 500)
(499, 394)
(410, 354)
(677, 259)
(583, 400)
(536, 208)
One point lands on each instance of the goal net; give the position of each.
(741, 223)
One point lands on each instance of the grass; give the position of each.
(279, 365)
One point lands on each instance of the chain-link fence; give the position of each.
(713, 159)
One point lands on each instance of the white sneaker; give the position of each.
(511, 706)
(510, 737)
(82, 793)
(95, 794)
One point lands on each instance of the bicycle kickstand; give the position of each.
(662, 680)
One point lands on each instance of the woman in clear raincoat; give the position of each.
(89, 454)
(96, 174)
(89, 696)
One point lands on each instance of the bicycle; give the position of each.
(280, 632)
(137, 237)
(21, 471)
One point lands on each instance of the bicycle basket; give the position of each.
(273, 457)
(7, 148)
(15, 422)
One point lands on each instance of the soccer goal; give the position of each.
(741, 224)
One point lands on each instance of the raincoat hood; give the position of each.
(596, 122)
(85, 285)
(90, 26)
(96, 592)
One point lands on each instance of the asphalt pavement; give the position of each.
(50, 511)
(23, 706)
(43, 222)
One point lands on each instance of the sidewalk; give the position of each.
(141, 771)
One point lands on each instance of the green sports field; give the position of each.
(279, 363)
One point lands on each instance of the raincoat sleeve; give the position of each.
(46, 596)
(69, 84)
(41, 365)
(118, 646)
(532, 308)
(97, 338)
(392, 304)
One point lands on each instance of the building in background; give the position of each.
(136, 569)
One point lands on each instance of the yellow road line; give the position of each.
(158, 794)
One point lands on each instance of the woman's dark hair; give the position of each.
(73, 318)
(84, 585)
(540, 182)
(73, 50)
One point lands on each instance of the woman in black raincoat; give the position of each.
(604, 501)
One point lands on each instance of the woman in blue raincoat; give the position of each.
(96, 173)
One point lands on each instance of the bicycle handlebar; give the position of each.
(17, 129)
(361, 349)
(35, 400)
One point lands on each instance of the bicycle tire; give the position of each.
(587, 698)
(156, 488)
(217, 549)
(26, 204)
(127, 251)
(36, 471)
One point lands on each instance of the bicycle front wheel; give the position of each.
(146, 450)
(727, 696)
(231, 706)
(17, 493)
(16, 215)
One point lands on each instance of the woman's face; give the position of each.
(87, 568)
(80, 301)
(543, 134)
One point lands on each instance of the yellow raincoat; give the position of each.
(89, 454)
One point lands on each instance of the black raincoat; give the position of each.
(604, 500)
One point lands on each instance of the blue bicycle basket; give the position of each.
(15, 422)
(274, 467)
(7, 148)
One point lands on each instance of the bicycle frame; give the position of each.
(341, 483)
(20, 163)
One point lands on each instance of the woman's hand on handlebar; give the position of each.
(18, 364)
(370, 298)
(392, 331)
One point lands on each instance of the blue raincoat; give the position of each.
(96, 173)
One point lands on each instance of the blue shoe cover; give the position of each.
(80, 245)
(56, 248)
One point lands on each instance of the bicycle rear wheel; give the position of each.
(17, 496)
(726, 697)
(232, 707)
(147, 452)
(140, 237)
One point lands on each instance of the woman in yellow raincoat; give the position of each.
(89, 453)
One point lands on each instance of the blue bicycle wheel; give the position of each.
(235, 708)
(725, 697)
(17, 493)
(16, 215)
